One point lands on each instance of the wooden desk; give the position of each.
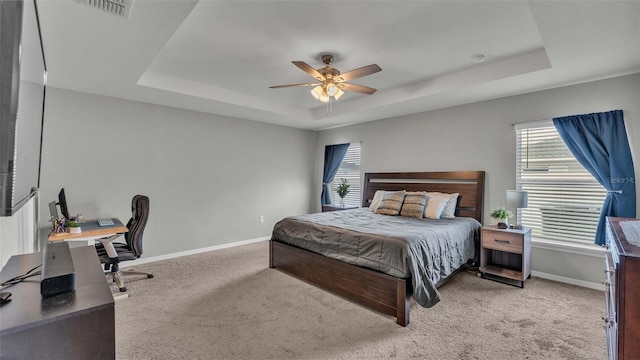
(92, 231)
(78, 324)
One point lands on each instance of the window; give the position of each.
(564, 198)
(349, 169)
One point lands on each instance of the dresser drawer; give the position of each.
(503, 241)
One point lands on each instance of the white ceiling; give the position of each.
(220, 57)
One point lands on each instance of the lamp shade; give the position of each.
(517, 199)
(316, 92)
(332, 90)
(319, 93)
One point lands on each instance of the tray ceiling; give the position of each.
(220, 57)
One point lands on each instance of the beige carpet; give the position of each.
(228, 304)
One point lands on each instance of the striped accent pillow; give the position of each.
(413, 205)
(391, 203)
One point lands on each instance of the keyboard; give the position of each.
(105, 222)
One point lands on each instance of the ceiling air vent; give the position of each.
(115, 7)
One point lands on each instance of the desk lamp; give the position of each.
(517, 199)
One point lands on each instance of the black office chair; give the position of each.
(130, 250)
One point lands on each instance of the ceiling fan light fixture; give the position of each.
(338, 94)
(332, 90)
(316, 92)
(320, 94)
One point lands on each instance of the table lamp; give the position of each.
(517, 199)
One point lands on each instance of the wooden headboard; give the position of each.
(469, 184)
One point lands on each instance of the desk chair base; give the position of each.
(116, 276)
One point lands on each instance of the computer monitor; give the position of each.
(53, 210)
(62, 201)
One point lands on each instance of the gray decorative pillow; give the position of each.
(414, 203)
(391, 203)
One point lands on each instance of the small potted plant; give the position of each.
(343, 190)
(74, 227)
(501, 216)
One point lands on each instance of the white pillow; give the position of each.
(450, 208)
(435, 205)
(377, 198)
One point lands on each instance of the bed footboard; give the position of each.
(369, 288)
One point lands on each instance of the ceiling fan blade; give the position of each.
(291, 85)
(309, 70)
(358, 73)
(357, 88)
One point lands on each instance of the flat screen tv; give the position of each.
(22, 92)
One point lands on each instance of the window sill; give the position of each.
(573, 248)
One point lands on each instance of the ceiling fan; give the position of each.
(332, 84)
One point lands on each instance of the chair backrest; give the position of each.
(137, 223)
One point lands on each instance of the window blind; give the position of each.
(564, 198)
(349, 169)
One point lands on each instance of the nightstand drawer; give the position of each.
(503, 241)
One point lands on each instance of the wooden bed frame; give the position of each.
(370, 288)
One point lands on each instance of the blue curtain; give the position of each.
(599, 142)
(333, 155)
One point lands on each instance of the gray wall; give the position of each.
(480, 136)
(209, 178)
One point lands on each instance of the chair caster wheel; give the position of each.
(149, 276)
(123, 289)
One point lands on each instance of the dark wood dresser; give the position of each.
(622, 314)
(77, 324)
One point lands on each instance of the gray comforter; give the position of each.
(426, 250)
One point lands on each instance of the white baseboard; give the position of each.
(566, 280)
(147, 260)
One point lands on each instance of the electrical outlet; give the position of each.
(261, 219)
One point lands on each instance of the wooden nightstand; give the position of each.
(505, 254)
(326, 208)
